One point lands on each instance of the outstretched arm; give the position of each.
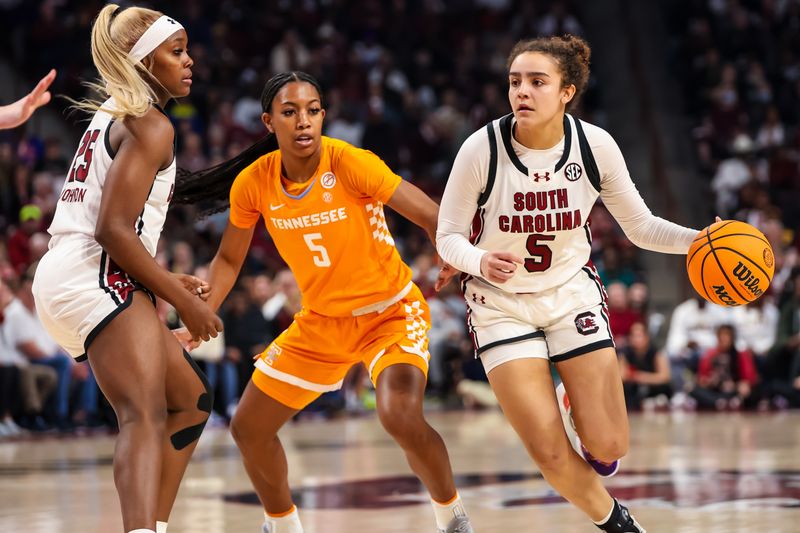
(222, 275)
(226, 264)
(416, 206)
(624, 202)
(13, 115)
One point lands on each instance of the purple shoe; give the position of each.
(602, 469)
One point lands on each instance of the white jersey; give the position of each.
(502, 196)
(79, 203)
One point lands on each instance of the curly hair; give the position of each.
(571, 54)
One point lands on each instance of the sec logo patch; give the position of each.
(573, 172)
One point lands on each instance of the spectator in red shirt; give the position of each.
(620, 313)
(726, 377)
(19, 251)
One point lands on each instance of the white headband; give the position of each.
(157, 33)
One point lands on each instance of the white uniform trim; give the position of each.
(375, 361)
(294, 380)
(382, 306)
(408, 349)
(556, 324)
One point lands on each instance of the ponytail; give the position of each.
(210, 188)
(114, 33)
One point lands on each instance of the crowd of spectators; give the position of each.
(401, 79)
(740, 68)
(739, 64)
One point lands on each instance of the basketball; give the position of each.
(730, 263)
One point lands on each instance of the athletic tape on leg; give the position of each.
(186, 436)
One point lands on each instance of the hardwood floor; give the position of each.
(685, 473)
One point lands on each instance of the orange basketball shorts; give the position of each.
(315, 352)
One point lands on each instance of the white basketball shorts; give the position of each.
(78, 290)
(559, 323)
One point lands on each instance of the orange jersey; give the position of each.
(333, 234)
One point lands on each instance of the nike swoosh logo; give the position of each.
(275, 207)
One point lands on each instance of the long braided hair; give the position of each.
(209, 189)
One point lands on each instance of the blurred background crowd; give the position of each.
(401, 79)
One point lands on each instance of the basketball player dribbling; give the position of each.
(529, 181)
(322, 200)
(95, 287)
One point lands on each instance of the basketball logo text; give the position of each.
(745, 275)
(769, 259)
(723, 295)
(273, 353)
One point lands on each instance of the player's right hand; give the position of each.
(446, 273)
(199, 319)
(499, 267)
(195, 285)
(185, 338)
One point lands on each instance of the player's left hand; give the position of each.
(195, 285)
(446, 273)
(185, 338)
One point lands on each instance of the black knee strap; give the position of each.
(186, 436)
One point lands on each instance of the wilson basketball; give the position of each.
(730, 263)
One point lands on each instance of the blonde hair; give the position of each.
(126, 81)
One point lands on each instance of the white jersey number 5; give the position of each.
(321, 260)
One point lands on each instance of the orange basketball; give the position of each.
(730, 263)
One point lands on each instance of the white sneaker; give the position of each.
(267, 529)
(459, 524)
(602, 469)
(9, 428)
(272, 525)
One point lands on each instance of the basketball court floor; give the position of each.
(685, 473)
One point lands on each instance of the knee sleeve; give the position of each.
(205, 402)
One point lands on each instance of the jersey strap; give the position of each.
(588, 157)
(506, 125)
(107, 139)
(492, 164)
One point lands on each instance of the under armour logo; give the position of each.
(475, 298)
(537, 177)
